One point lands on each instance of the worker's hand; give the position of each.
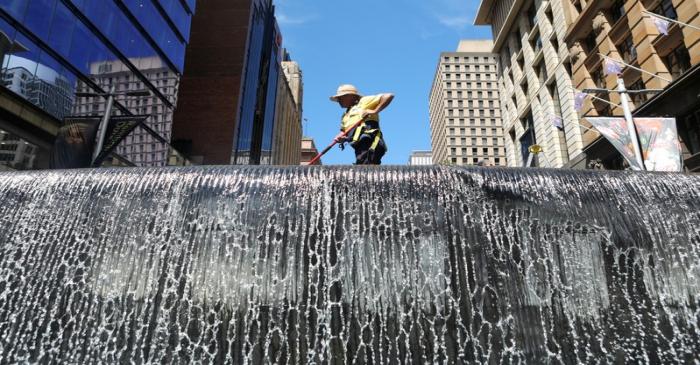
(340, 138)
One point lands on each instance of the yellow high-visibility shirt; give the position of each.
(353, 115)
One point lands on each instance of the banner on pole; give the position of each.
(660, 145)
(658, 139)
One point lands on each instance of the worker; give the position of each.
(367, 139)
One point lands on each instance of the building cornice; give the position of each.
(501, 36)
(483, 14)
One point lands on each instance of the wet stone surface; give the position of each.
(340, 265)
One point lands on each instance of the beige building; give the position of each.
(286, 138)
(296, 85)
(534, 79)
(421, 158)
(621, 30)
(308, 151)
(465, 117)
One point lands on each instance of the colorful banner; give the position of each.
(74, 144)
(658, 140)
(661, 147)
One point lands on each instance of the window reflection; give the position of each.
(151, 19)
(179, 16)
(35, 17)
(51, 83)
(141, 146)
(16, 153)
(15, 8)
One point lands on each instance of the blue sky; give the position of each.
(379, 46)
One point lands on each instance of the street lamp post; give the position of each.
(108, 112)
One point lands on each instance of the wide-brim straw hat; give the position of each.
(345, 90)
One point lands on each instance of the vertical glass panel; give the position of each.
(61, 32)
(252, 79)
(100, 13)
(7, 43)
(269, 126)
(79, 3)
(164, 36)
(53, 87)
(22, 66)
(38, 17)
(18, 154)
(177, 13)
(86, 51)
(192, 4)
(16, 8)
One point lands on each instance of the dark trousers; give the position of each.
(364, 155)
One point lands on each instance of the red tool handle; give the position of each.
(318, 157)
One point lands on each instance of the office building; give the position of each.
(623, 31)
(228, 95)
(309, 151)
(59, 44)
(534, 79)
(287, 131)
(421, 158)
(465, 119)
(295, 80)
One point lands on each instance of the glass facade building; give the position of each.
(253, 137)
(53, 49)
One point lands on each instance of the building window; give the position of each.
(528, 138)
(617, 11)
(536, 44)
(627, 50)
(591, 42)
(604, 110)
(689, 131)
(638, 99)
(555, 45)
(549, 15)
(542, 72)
(554, 94)
(678, 61)
(532, 15)
(521, 62)
(666, 9)
(599, 78)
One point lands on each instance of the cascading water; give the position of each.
(339, 265)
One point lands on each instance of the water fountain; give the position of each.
(339, 265)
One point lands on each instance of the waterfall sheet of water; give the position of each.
(339, 265)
